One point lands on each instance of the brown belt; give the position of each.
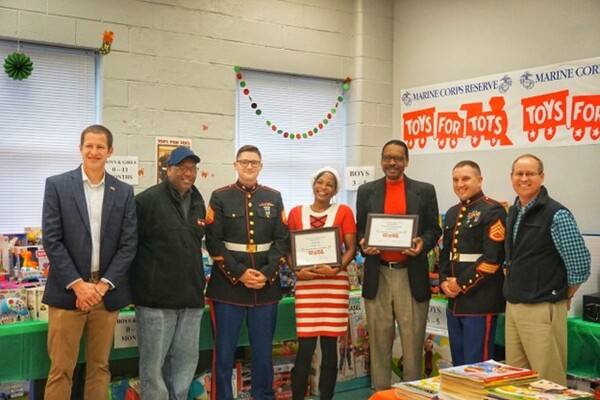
(95, 277)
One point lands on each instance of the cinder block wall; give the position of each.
(170, 71)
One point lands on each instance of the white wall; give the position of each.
(444, 40)
(170, 71)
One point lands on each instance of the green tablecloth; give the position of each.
(23, 352)
(24, 355)
(583, 344)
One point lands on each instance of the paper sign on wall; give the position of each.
(164, 147)
(124, 168)
(356, 176)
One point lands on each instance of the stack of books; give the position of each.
(472, 381)
(424, 389)
(540, 389)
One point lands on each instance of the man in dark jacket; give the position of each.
(470, 273)
(167, 279)
(396, 283)
(90, 238)
(247, 238)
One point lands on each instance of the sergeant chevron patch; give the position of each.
(497, 231)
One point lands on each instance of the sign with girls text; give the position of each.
(556, 105)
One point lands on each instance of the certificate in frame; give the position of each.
(316, 246)
(391, 231)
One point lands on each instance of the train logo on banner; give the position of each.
(551, 106)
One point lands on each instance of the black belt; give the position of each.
(393, 264)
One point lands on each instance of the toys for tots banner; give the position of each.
(556, 105)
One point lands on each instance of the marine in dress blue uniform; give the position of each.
(247, 237)
(470, 267)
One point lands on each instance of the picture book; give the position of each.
(541, 389)
(423, 389)
(487, 372)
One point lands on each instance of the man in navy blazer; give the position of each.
(396, 283)
(90, 236)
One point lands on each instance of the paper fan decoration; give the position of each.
(18, 66)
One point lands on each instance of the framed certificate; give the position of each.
(316, 246)
(391, 232)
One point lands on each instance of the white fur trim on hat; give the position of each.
(334, 172)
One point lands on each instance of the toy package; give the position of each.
(13, 305)
(358, 333)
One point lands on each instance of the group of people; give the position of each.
(108, 248)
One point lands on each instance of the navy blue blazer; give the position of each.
(421, 200)
(68, 240)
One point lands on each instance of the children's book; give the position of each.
(423, 389)
(487, 372)
(471, 381)
(540, 389)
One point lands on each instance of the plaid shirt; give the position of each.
(568, 241)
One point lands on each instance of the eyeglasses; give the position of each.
(183, 170)
(527, 174)
(397, 159)
(245, 163)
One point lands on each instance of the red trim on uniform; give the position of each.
(488, 332)
(213, 377)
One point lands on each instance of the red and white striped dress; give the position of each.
(322, 304)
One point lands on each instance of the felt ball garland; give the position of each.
(276, 128)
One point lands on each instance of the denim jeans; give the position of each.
(168, 343)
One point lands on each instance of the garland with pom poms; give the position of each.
(274, 127)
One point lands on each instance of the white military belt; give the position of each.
(247, 248)
(462, 257)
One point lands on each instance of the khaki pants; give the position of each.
(394, 299)
(65, 329)
(536, 338)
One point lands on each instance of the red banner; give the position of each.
(557, 105)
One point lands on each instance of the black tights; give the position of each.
(301, 370)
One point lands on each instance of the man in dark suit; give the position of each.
(396, 283)
(90, 236)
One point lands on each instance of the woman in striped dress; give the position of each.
(322, 291)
